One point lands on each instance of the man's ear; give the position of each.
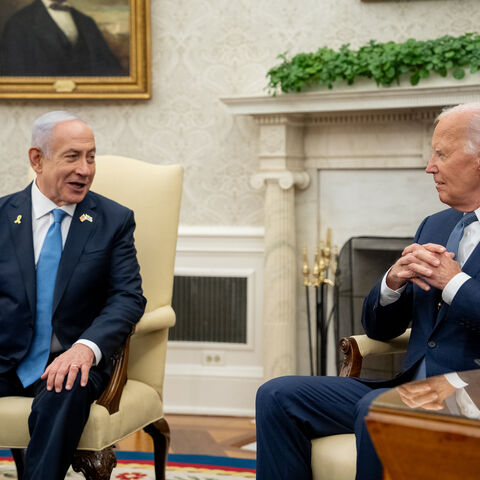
(36, 159)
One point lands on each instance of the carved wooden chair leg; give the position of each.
(95, 465)
(18, 455)
(160, 433)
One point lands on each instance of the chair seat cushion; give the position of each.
(140, 405)
(334, 457)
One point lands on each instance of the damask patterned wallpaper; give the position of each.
(206, 49)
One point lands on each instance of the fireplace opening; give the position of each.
(362, 261)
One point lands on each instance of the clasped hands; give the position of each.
(424, 265)
(429, 394)
(78, 358)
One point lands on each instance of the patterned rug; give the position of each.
(139, 466)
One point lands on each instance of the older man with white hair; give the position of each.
(70, 291)
(434, 286)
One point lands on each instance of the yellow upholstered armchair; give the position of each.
(334, 457)
(134, 398)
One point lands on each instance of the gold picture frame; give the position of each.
(125, 37)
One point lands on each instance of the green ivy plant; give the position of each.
(383, 62)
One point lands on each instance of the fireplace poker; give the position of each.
(306, 282)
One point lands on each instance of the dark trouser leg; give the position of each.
(56, 424)
(291, 411)
(369, 466)
(11, 385)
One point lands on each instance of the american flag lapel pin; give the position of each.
(86, 217)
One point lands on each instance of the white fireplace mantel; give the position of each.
(347, 130)
(364, 95)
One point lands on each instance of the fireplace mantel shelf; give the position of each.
(364, 96)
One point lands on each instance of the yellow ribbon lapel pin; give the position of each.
(86, 217)
(18, 220)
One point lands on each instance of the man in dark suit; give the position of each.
(435, 286)
(50, 38)
(96, 297)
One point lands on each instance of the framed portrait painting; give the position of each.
(75, 49)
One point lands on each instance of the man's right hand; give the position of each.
(77, 359)
(416, 263)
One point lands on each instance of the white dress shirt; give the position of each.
(42, 218)
(470, 239)
(64, 20)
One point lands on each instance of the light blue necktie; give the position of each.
(457, 232)
(33, 365)
(452, 246)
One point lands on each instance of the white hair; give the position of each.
(43, 127)
(472, 142)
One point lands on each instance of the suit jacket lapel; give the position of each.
(47, 29)
(19, 220)
(78, 235)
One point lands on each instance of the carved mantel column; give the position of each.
(281, 158)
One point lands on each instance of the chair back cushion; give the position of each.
(153, 192)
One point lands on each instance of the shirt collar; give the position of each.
(42, 205)
(47, 4)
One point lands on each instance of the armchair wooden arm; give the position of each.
(160, 318)
(357, 347)
(333, 457)
(110, 398)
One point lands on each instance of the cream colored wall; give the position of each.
(205, 49)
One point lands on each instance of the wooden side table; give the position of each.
(424, 444)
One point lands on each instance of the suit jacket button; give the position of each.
(432, 344)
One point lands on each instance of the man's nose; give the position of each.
(83, 167)
(431, 165)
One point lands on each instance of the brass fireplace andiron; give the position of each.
(325, 263)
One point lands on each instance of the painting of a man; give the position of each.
(53, 38)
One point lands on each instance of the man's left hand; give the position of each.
(77, 358)
(429, 393)
(434, 275)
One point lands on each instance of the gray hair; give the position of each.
(43, 127)
(472, 143)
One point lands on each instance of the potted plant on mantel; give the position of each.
(378, 65)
